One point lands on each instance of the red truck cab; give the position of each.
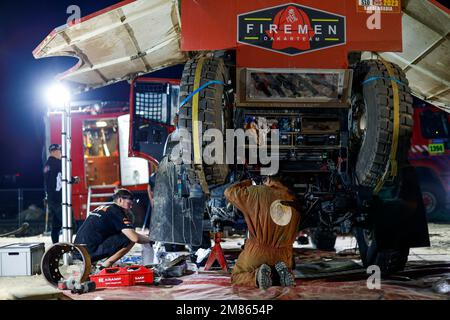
(430, 154)
(117, 144)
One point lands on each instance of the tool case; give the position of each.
(123, 276)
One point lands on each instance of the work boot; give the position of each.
(264, 277)
(286, 277)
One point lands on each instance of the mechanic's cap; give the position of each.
(54, 147)
(124, 194)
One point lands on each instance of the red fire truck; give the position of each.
(430, 154)
(102, 157)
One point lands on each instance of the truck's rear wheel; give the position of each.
(212, 106)
(373, 119)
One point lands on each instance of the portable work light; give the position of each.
(58, 96)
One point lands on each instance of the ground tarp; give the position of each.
(215, 285)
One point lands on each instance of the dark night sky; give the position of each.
(23, 25)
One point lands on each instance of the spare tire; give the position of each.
(373, 120)
(213, 102)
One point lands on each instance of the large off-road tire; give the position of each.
(389, 260)
(373, 119)
(212, 106)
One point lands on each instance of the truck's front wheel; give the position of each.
(389, 260)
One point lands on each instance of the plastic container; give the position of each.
(21, 259)
(122, 277)
(148, 254)
(140, 275)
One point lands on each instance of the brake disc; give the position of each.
(52, 257)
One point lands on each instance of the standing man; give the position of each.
(272, 222)
(108, 232)
(52, 184)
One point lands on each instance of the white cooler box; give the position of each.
(21, 259)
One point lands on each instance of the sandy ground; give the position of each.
(440, 245)
(16, 287)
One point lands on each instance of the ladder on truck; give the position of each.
(99, 196)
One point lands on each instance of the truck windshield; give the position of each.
(101, 151)
(434, 125)
(100, 138)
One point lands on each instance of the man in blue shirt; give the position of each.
(108, 232)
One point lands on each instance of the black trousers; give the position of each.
(55, 210)
(107, 248)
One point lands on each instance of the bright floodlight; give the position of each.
(58, 96)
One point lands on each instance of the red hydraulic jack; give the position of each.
(216, 253)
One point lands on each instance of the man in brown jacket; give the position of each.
(272, 223)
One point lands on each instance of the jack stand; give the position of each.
(216, 253)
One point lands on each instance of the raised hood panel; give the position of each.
(126, 40)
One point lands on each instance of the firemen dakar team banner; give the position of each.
(291, 29)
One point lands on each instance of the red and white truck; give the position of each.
(102, 157)
(430, 154)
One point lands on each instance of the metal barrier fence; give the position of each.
(22, 205)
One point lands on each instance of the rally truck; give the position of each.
(329, 79)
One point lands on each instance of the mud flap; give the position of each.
(175, 219)
(399, 215)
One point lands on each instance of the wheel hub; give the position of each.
(429, 201)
